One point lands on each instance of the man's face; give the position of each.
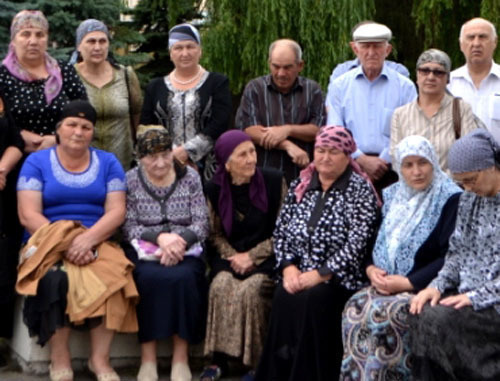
(477, 42)
(371, 54)
(284, 68)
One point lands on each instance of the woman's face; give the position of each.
(241, 164)
(185, 54)
(75, 133)
(30, 44)
(417, 172)
(94, 47)
(481, 183)
(330, 162)
(158, 165)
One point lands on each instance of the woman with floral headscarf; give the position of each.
(418, 218)
(321, 240)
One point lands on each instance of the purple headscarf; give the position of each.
(224, 147)
(33, 19)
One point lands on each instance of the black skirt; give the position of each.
(304, 340)
(450, 344)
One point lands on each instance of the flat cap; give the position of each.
(372, 32)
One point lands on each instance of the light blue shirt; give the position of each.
(344, 67)
(365, 107)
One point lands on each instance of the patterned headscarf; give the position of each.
(152, 139)
(475, 151)
(86, 27)
(224, 147)
(435, 56)
(33, 19)
(340, 138)
(409, 215)
(183, 32)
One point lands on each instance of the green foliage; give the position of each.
(490, 9)
(238, 33)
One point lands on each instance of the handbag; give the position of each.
(457, 121)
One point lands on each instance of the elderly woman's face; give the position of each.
(481, 183)
(241, 164)
(431, 79)
(330, 162)
(30, 44)
(417, 172)
(94, 47)
(75, 133)
(185, 54)
(158, 165)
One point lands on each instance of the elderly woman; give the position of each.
(194, 105)
(166, 225)
(113, 90)
(457, 336)
(35, 85)
(322, 236)
(418, 218)
(75, 182)
(243, 206)
(435, 114)
(11, 148)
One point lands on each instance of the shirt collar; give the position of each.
(298, 85)
(341, 183)
(463, 72)
(359, 71)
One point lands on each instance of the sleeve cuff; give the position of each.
(325, 270)
(285, 263)
(356, 154)
(190, 237)
(151, 236)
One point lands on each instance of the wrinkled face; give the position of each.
(30, 44)
(94, 47)
(330, 162)
(417, 172)
(185, 54)
(431, 78)
(75, 133)
(480, 182)
(284, 67)
(371, 54)
(477, 42)
(158, 165)
(241, 164)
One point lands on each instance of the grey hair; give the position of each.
(489, 23)
(291, 44)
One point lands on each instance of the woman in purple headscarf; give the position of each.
(243, 206)
(322, 238)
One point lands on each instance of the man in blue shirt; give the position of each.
(364, 98)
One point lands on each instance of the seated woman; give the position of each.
(322, 237)
(166, 224)
(418, 218)
(457, 336)
(243, 203)
(71, 181)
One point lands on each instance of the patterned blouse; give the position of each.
(472, 264)
(328, 231)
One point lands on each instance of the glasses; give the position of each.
(425, 71)
(468, 181)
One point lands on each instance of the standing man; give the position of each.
(478, 81)
(282, 111)
(364, 99)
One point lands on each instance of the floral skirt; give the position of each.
(375, 333)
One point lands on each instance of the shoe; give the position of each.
(147, 372)
(106, 376)
(180, 372)
(65, 374)
(211, 373)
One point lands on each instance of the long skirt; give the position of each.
(304, 339)
(172, 300)
(238, 312)
(376, 337)
(450, 344)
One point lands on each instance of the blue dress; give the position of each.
(65, 196)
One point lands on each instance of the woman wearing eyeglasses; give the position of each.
(431, 114)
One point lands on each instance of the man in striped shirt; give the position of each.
(282, 111)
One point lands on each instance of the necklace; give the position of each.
(187, 82)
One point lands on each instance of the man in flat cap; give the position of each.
(478, 81)
(282, 111)
(364, 98)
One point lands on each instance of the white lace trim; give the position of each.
(75, 180)
(32, 184)
(116, 185)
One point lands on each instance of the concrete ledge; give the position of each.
(125, 349)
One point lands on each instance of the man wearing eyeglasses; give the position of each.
(364, 98)
(431, 114)
(478, 81)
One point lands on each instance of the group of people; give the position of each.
(335, 242)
